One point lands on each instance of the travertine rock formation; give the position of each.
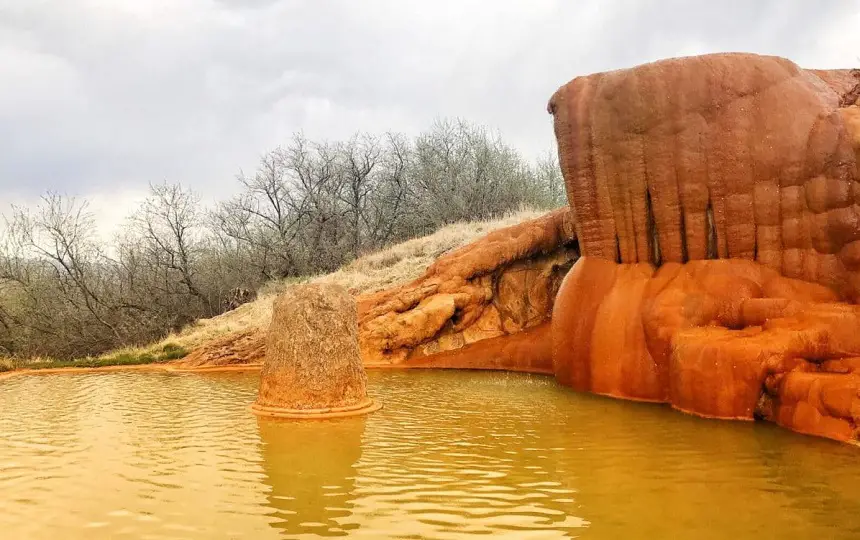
(728, 156)
(716, 156)
(312, 366)
(716, 201)
(724, 339)
(501, 285)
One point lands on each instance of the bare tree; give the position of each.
(55, 265)
(462, 171)
(169, 222)
(549, 189)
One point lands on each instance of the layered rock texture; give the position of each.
(470, 300)
(312, 366)
(719, 156)
(739, 157)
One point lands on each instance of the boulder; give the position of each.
(313, 367)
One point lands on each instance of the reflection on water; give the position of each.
(310, 468)
(460, 453)
(452, 455)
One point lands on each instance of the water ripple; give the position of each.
(452, 455)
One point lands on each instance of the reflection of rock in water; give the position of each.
(310, 468)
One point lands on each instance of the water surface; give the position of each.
(452, 455)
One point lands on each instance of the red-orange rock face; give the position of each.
(717, 156)
(724, 339)
(470, 301)
(732, 156)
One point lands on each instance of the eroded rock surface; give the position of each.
(716, 156)
(723, 339)
(312, 360)
(501, 285)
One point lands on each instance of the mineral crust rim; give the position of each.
(365, 406)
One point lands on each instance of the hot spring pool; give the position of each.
(453, 454)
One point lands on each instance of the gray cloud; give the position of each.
(100, 98)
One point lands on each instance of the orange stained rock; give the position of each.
(529, 351)
(723, 155)
(313, 367)
(597, 316)
(816, 403)
(719, 338)
(501, 285)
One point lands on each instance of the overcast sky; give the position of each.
(100, 97)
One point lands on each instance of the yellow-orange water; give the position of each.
(452, 454)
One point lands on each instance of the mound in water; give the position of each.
(312, 366)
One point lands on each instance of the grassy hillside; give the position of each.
(394, 265)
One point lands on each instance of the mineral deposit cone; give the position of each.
(313, 367)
